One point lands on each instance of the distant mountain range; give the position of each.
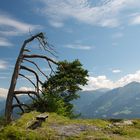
(123, 102)
(22, 98)
(2, 106)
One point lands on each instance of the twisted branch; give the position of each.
(26, 92)
(19, 103)
(36, 67)
(40, 56)
(32, 71)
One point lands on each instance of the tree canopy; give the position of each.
(62, 87)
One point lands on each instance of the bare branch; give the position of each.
(37, 78)
(51, 47)
(31, 97)
(36, 67)
(9, 101)
(19, 103)
(45, 46)
(23, 57)
(26, 92)
(51, 68)
(30, 81)
(40, 56)
(27, 50)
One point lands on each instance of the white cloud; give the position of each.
(3, 77)
(56, 24)
(103, 82)
(3, 92)
(5, 42)
(14, 26)
(9, 33)
(135, 20)
(26, 89)
(128, 78)
(105, 13)
(116, 71)
(10, 26)
(3, 64)
(98, 82)
(78, 46)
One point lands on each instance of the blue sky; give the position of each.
(102, 34)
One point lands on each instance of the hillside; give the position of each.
(59, 127)
(123, 102)
(86, 98)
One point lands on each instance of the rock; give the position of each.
(128, 122)
(73, 129)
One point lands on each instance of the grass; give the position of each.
(59, 127)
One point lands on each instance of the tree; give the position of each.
(25, 56)
(62, 87)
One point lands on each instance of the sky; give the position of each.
(103, 34)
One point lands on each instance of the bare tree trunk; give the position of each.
(9, 101)
(11, 93)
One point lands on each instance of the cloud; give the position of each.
(135, 20)
(103, 82)
(26, 89)
(5, 42)
(78, 47)
(3, 77)
(13, 26)
(3, 92)
(98, 82)
(10, 26)
(3, 64)
(128, 78)
(116, 71)
(105, 13)
(56, 24)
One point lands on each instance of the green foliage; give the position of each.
(51, 103)
(2, 122)
(67, 80)
(61, 88)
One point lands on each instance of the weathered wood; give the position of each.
(28, 80)
(40, 56)
(26, 92)
(18, 66)
(42, 117)
(35, 125)
(36, 67)
(9, 101)
(32, 71)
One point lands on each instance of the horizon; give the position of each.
(103, 35)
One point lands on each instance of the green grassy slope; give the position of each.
(61, 128)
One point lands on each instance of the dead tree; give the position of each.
(26, 56)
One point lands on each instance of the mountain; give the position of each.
(2, 105)
(123, 102)
(86, 98)
(23, 98)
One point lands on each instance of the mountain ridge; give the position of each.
(122, 102)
